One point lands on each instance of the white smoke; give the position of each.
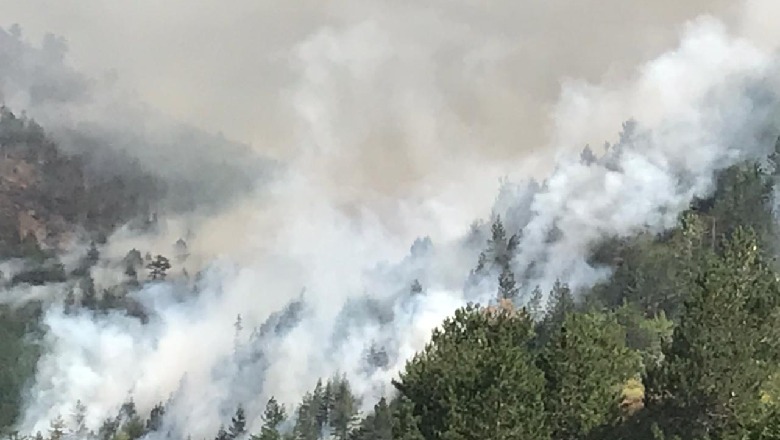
(329, 277)
(701, 108)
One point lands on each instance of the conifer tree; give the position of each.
(382, 426)
(158, 268)
(305, 421)
(89, 298)
(344, 414)
(57, 429)
(585, 364)
(222, 434)
(535, 303)
(507, 288)
(405, 424)
(560, 303)
(238, 423)
(477, 379)
(154, 423)
(709, 383)
(273, 416)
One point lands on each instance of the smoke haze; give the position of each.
(393, 121)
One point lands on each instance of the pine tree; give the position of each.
(499, 250)
(482, 262)
(134, 427)
(238, 424)
(273, 417)
(498, 244)
(108, 429)
(585, 364)
(405, 424)
(560, 303)
(345, 409)
(477, 379)
(88, 261)
(57, 429)
(710, 380)
(133, 260)
(306, 419)
(382, 426)
(535, 303)
(88, 295)
(159, 267)
(154, 423)
(321, 404)
(507, 288)
(743, 196)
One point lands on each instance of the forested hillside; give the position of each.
(124, 141)
(680, 342)
(50, 201)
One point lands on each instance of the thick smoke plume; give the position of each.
(322, 268)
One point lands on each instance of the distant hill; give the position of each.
(94, 116)
(47, 195)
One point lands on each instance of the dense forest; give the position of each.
(680, 342)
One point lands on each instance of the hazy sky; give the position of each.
(376, 101)
(225, 65)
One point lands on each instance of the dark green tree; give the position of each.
(306, 427)
(158, 268)
(710, 381)
(322, 403)
(560, 303)
(377, 425)
(405, 424)
(382, 428)
(477, 379)
(535, 304)
(273, 417)
(585, 364)
(507, 288)
(344, 414)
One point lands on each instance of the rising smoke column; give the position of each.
(333, 282)
(702, 107)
